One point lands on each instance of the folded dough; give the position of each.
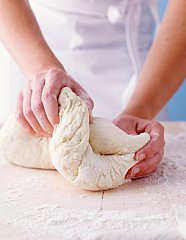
(93, 157)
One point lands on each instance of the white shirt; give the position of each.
(101, 43)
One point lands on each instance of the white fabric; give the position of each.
(103, 56)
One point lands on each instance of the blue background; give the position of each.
(177, 105)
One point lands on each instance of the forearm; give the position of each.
(165, 67)
(21, 35)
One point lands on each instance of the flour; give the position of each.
(40, 207)
(53, 221)
(181, 219)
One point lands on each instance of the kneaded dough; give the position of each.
(93, 156)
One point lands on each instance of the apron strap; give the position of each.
(132, 21)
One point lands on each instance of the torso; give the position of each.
(101, 55)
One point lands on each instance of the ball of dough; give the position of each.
(93, 156)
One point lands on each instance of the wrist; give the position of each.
(43, 62)
(139, 109)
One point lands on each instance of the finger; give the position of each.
(37, 105)
(20, 116)
(156, 143)
(54, 82)
(145, 167)
(27, 111)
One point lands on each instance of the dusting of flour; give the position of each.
(153, 207)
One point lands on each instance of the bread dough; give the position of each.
(93, 157)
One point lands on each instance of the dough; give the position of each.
(93, 157)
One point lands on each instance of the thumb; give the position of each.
(125, 126)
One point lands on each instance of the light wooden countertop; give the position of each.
(30, 199)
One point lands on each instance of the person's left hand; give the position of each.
(151, 154)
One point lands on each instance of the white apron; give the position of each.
(101, 43)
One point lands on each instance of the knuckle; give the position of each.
(53, 71)
(159, 125)
(54, 74)
(37, 107)
(28, 113)
(38, 77)
(46, 95)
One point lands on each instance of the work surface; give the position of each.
(40, 204)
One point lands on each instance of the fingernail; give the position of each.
(134, 173)
(141, 157)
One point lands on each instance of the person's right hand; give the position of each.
(37, 105)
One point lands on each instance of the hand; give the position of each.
(37, 106)
(150, 155)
